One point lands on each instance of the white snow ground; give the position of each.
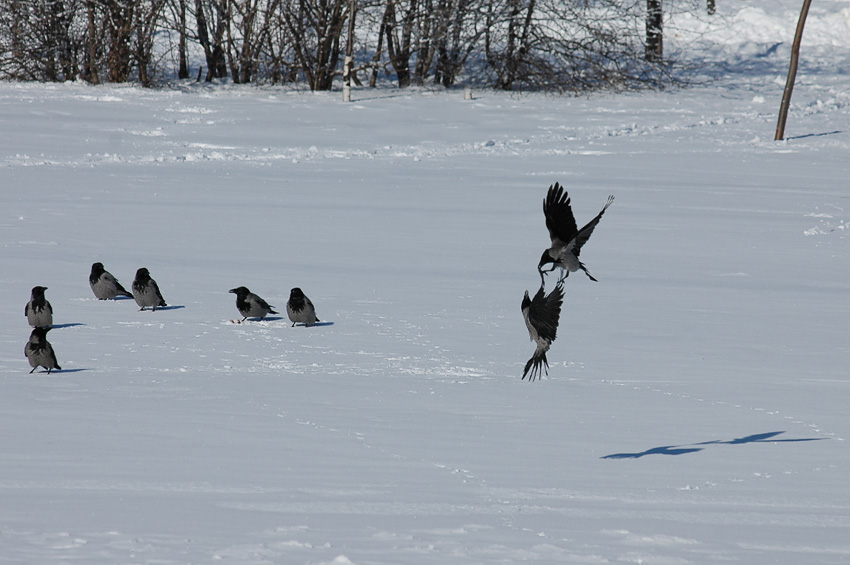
(695, 410)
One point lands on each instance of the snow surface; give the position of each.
(695, 410)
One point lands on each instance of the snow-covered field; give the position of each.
(695, 410)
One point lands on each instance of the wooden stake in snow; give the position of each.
(792, 73)
(349, 55)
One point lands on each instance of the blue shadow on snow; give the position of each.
(682, 450)
(58, 371)
(814, 135)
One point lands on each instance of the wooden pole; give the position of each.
(349, 54)
(792, 73)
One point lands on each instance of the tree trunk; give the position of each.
(518, 43)
(654, 35)
(120, 29)
(373, 80)
(399, 47)
(182, 57)
(213, 51)
(90, 67)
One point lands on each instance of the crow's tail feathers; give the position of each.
(586, 272)
(536, 367)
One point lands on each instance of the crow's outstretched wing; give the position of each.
(585, 232)
(545, 312)
(559, 216)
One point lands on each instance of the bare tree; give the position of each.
(279, 60)
(400, 17)
(39, 40)
(510, 44)
(93, 43)
(119, 30)
(375, 63)
(177, 20)
(146, 21)
(456, 36)
(508, 55)
(315, 27)
(211, 17)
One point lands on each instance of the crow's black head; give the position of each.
(40, 334)
(240, 291)
(545, 259)
(96, 270)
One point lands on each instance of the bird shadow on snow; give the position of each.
(277, 319)
(158, 308)
(692, 448)
(316, 325)
(57, 372)
(266, 319)
(71, 325)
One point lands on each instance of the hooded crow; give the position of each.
(39, 352)
(541, 317)
(146, 292)
(38, 310)
(104, 285)
(300, 309)
(567, 239)
(250, 305)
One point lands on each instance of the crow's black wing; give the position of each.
(545, 311)
(264, 305)
(559, 215)
(155, 288)
(584, 234)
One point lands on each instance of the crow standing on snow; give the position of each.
(541, 317)
(39, 352)
(250, 305)
(104, 285)
(146, 292)
(38, 310)
(567, 239)
(300, 309)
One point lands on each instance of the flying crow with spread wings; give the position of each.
(541, 315)
(567, 239)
